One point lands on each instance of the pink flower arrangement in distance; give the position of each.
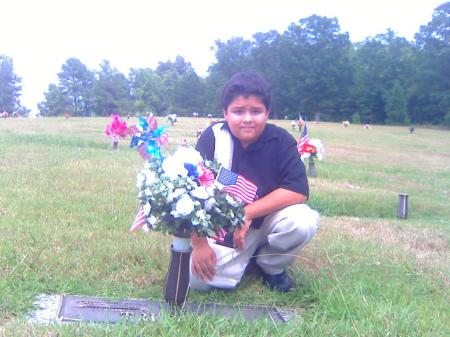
(117, 127)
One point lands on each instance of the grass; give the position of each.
(67, 200)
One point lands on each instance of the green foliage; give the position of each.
(431, 98)
(356, 119)
(56, 103)
(111, 94)
(396, 104)
(10, 87)
(447, 119)
(313, 68)
(77, 83)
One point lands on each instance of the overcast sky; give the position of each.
(40, 35)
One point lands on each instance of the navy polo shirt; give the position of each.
(271, 162)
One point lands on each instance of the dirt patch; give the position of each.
(431, 249)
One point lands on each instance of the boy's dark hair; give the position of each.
(246, 83)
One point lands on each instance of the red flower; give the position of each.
(308, 148)
(206, 177)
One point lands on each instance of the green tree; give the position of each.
(317, 66)
(147, 91)
(188, 95)
(431, 93)
(265, 58)
(56, 103)
(184, 90)
(396, 105)
(111, 93)
(232, 56)
(10, 86)
(379, 62)
(77, 83)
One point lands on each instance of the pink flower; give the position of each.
(163, 139)
(116, 128)
(206, 177)
(142, 149)
(152, 123)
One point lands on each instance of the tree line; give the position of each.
(313, 68)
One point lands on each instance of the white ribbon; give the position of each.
(223, 151)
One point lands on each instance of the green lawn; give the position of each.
(67, 201)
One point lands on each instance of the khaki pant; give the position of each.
(278, 242)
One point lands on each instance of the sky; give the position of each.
(40, 35)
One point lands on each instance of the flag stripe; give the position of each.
(237, 185)
(139, 220)
(244, 188)
(304, 138)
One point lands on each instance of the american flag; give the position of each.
(139, 220)
(303, 139)
(237, 185)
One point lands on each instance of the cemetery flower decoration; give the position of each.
(178, 193)
(171, 118)
(313, 148)
(117, 128)
(148, 137)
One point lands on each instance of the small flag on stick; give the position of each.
(237, 185)
(139, 220)
(304, 138)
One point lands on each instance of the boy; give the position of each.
(277, 224)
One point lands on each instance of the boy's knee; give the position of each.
(198, 284)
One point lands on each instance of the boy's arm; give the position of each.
(203, 258)
(274, 201)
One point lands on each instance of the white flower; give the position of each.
(305, 156)
(147, 208)
(175, 194)
(319, 147)
(209, 203)
(172, 167)
(211, 189)
(200, 193)
(188, 155)
(152, 220)
(140, 180)
(150, 177)
(230, 200)
(201, 214)
(185, 206)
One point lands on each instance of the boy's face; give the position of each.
(246, 117)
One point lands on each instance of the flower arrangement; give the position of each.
(172, 118)
(178, 193)
(117, 128)
(148, 137)
(313, 148)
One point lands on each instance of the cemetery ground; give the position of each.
(67, 201)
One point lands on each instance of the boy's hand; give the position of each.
(239, 234)
(203, 261)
